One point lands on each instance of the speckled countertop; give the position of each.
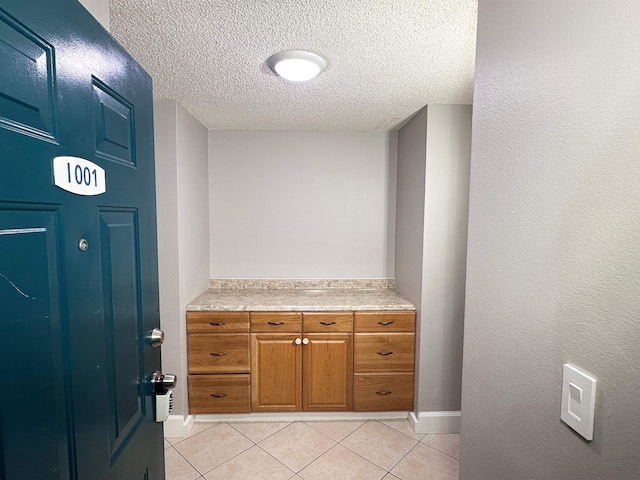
(300, 295)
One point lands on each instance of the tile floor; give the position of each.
(310, 450)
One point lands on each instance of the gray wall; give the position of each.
(412, 156)
(432, 209)
(554, 235)
(302, 204)
(183, 230)
(444, 257)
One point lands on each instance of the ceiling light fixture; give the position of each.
(297, 65)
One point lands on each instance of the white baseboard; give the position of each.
(178, 426)
(423, 423)
(297, 416)
(435, 422)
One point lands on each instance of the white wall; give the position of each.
(434, 152)
(302, 204)
(100, 11)
(183, 235)
(554, 236)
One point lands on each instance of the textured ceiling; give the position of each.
(385, 58)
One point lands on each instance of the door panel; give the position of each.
(34, 410)
(26, 105)
(68, 89)
(120, 284)
(114, 125)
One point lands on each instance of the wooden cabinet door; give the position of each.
(276, 373)
(328, 372)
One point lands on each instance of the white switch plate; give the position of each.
(578, 400)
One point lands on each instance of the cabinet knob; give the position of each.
(218, 395)
(327, 323)
(384, 392)
(298, 341)
(385, 323)
(221, 354)
(217, 324)
(305, 341)
(275, 323)
(384, 354)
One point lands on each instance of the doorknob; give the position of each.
(156, 337)
(162, 383)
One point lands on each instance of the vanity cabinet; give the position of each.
(384, 361)
(301, 361)
(242, 362)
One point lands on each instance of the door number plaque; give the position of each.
(79, 176)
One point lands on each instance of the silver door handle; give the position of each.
(163, 382)
(156, 337)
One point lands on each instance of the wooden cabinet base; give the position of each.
(243, 362)
(219, 393)
(375, 392)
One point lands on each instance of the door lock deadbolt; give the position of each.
(156, 337)
(83, 245)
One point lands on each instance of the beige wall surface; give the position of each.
(554, 236)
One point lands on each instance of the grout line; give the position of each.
(370, 461)
(410, 435)
(403, 457)
(283, 464)
(437, 449)
(294, 473)
(236, 455)
(262, 440)
(386, 472)
(186, 460)
(319, 431)
(194, 435)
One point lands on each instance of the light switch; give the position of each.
(575, 401)
(578, 400)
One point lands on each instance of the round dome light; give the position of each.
(297, 65)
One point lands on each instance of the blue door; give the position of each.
(78, 271)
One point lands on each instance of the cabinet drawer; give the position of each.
(217, 322)
(276, 322)
(385, 322)
(226, 353)
(383, 392)
(327, 322)
(219, 394)
(384, 352)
